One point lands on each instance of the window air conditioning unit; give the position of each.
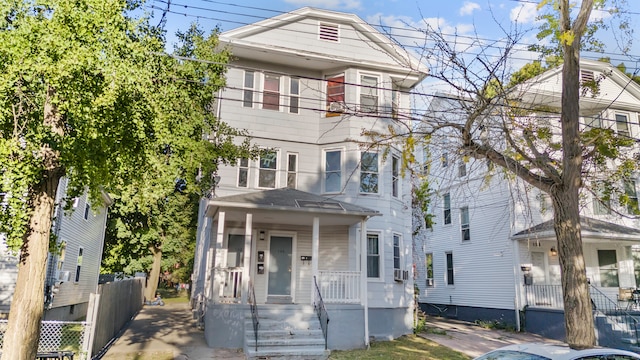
(400, 275)
(63, 276)
(336, 107)
(430, 282)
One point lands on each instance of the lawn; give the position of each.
(409, 347)
(171, 296)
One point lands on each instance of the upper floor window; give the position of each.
(335, 95)
(447, 208)
(373, 256)
(369, 94)
(369, 172)
(462, 169)
(78, 264)
(632, 197)
(396, 252)
(622, 124)
(243, 172)
(294, 96)
(292, 171)
(333, 171)
(87, 208)
(464, 223)
(395, 176)
(395, 103)
(248, 89)
(445, 159)
(601, 201)
(271, 92)
(268, 168)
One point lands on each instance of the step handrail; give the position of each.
(254, 312)
(604, 305)
(321, 311)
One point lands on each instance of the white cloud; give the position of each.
(468, 8)
(525, 13)
(329, 4)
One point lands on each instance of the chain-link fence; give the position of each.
(58, 336)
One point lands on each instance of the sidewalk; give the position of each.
(473, 340)
(165, 333)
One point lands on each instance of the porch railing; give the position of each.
(254, 312)
(548, 296)
(323, 316)
(339, 286)
(231, 287)
(619, 318)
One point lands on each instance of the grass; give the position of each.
(410, 347)
(171, 296)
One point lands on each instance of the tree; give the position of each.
(497, 122)
(86, 93)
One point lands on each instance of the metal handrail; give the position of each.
(321, 311)
(609, 308)
(254, 312)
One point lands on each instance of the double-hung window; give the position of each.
(271, 92)
(396, 252)
(333, 171)
(369, 94)
(268, 168)
(292, 171)
(450, 272)
(601, 201)
(622, 124)
(395, 103)
(447, 208)
(462, 169)
(395, 176)
(294, 96)
(369, 172)
(87, 209)
(243, 172)
(445, 159)
(373, 256)
(335, 95)
(632, 197)
(464, 223)
(78, 265)
(248, 89)
(429, 268)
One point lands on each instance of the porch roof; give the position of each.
(591, 228)
(288, 205)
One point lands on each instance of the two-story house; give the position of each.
(492, 253)
(73, 267)
(319, 221)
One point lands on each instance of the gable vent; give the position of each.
(586, 75)
(329, 32)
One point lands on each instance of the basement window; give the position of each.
(329, 32)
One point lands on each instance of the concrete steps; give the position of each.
(285, 332)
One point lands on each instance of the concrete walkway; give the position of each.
(473, 340)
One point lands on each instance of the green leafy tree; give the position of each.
(85, 93)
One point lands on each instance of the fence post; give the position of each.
(92, 317)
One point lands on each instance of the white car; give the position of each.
(540, 351)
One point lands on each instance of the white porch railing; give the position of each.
(341, 287)
(548, 296)
(231, 284)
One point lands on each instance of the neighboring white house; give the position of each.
(72, 272)
(316, 205)
(492, 252)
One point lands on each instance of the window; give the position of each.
(60, 263)
(333, 171)
(373, 256)
(87, 207)
(243, 172)
(395, 176)
(369, 172)
(632, 197)
(593, 122)
(464, 223)
(395, 103)
(292, 170)
(429, 268)
(445, 159)
(608, 268)
(396, 252)
(271, 92)
(78, 265)
(248, 86)
(294, 96)
(447, 208)
(368, 94)
(622, 124)
(449, 268)
(545, 202)
(335, 95)
(462, 169)
(601, 200)
(267, 172)
(75, 202)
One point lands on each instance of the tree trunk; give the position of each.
(154, 276)
(27, 306)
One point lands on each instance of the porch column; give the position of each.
(247, 257)
(363, 278)
(219, 257)
(315, 246)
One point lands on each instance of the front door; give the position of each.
(280, 265)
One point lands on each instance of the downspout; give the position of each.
(516, 266)
(363, 274)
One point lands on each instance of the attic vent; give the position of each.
(329, 32)
(586, 76)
